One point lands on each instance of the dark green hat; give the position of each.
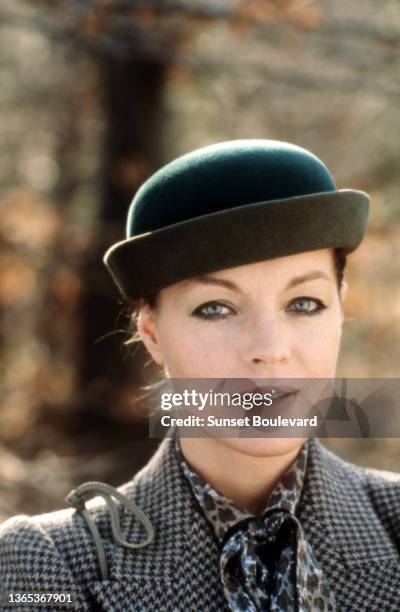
(231, 204)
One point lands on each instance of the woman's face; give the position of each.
(279, 318)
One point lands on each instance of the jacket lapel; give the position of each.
(178, 570)
(337, 513)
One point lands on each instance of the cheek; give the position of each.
(319, 345)
(194, 350)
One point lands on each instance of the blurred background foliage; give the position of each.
(97, 94)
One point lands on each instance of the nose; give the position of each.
(267, 343)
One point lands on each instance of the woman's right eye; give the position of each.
(212, 310)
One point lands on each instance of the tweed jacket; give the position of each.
(350, 516)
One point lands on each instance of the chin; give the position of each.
(263, 447)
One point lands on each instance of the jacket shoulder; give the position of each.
(373, 476)
(46, 553)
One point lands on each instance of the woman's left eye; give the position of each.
(306, 310)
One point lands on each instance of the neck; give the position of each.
(245, 479)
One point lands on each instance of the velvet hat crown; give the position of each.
(231, 204)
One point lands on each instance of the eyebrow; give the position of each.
(205, 279)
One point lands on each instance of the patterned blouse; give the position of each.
(258, 555)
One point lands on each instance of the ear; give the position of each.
(147, 330)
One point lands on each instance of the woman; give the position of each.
(234, 262)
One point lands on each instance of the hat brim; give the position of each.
(237, 236)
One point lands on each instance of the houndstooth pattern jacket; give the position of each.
(350, 515)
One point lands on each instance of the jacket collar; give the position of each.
(334, 510)
(334, 503)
